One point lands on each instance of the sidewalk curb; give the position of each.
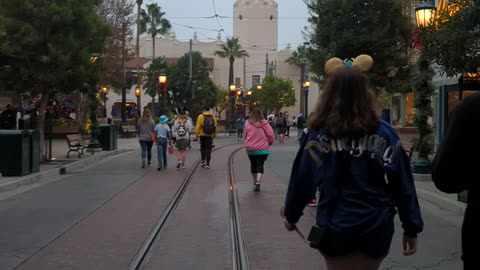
(437, 197)
(47, 175)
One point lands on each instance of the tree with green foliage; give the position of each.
(453, 40)
(299, 58)
(346, 29)
(154, 23)
(193, 94)
(197, 92)
(276, 94)
(231, 50)
(222, 101)
(47, 46)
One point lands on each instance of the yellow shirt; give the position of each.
(199, 129)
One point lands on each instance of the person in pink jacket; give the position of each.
(258, 138)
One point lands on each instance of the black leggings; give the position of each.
(256, 163)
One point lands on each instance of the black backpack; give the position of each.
(280, 122)
(208, 126)
(181, 130)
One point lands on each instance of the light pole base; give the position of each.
(94, 147)
(422, 165)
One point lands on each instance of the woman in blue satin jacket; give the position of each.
(363, 175)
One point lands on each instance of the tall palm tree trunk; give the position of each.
(153, 47)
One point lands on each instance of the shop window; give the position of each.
(396, 113)
(409, 109)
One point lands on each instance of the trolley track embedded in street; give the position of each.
(240, 259)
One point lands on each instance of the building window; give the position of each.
(409, 109)
(402, 110)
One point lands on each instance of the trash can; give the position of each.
(115, 137)
(106, 137)
(34, 150)
(15, 145)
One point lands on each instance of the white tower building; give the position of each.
(255, 23)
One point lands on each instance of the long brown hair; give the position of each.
(346, 107)
(146, 117)
(256, 115)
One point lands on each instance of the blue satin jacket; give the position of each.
(361, 182)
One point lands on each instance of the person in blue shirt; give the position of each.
(240, 126)
(363, 175)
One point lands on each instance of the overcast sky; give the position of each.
(183, 14)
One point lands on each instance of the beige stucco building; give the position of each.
(255, 23)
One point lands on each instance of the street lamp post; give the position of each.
(306, 86)
(162, 88)
(138, 92)
(232, 89)
(94, 145)
(425, 15)
(249, 99)
(105, 93)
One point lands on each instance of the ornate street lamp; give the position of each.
(259, 87)
(231, 96)
(162, 89)
(306, 86)
(94, 145)
(425, 14)
(138, 93)
(105, 93)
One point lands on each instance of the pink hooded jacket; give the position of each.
(258, 135)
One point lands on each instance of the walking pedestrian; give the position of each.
(300, 126)
(349, 154)
(240, 127)
(8, 118)
(164, 137)
(206, 129)
(294, 122)
(280, 124)
(181, 128)
(455, 170)
(288, 124)
(146, 131)
(258, 139)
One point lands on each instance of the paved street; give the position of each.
(97, 217)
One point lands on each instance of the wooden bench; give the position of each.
(128, 130)
(77, 143)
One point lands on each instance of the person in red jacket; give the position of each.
(259, 137)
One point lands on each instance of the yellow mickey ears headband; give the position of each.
(363, 63)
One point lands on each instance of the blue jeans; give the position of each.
(162, 154)
(146, 147)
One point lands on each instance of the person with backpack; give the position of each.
(280, 124)
(181, 128)
(206, 130)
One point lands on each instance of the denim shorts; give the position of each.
(375, 244)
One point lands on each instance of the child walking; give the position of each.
(163, 138)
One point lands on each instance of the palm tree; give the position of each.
(153, 22)
(299, 59)
(231, 50)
